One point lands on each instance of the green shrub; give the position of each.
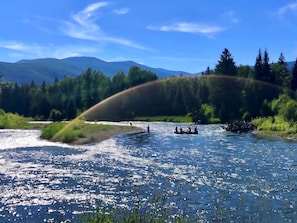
(2, 112)
(62, 132)
(275, 125)
(50, 130)
(69, 135)
(13, 121)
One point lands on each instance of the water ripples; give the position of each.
(237, 173)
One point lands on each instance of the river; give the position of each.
(215, 176)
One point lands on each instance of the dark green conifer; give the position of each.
(226, 64)
(293, 84)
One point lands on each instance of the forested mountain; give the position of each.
(229, 92)
(49, 69)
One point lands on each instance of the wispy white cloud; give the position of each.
(291, 7)
(121, 11)
(86, 18)
(84, 25)
(21, 50)
(186, 27)
(18, 46)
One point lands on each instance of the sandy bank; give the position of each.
(99, 136)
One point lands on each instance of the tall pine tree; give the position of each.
(226, 64)
(262, 68)
(293, 84)
(282, 74)
(258, 68)
(266, 72)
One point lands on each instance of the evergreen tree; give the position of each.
(258, 68)
(226, 64)
(281, 60)
(118, 82)
(71, 109)
(137, 76)
(281, 72)
(285, 73)
(293, 83)
(245, 71)
(266, 69)
(207, 71)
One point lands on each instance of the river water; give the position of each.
(215, 176)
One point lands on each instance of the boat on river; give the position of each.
(189, 131)
(185, 132)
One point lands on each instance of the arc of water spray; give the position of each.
(115, 96)
(107, 100)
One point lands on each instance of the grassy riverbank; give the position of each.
(277, 126)
(13, 121)
(74, 132)
(78, 132)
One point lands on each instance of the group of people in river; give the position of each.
(239, 127)
(189, 131)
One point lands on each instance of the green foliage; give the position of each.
(65, 98)
(155, 211)
(136, 76)
(245, 71)
(2, 112)
(232, 96)
(284, 121)
(262, 68)
(276, 125)
(289, 111)
(226, 64)
(68, 134)
(206, 113)
(71, 131)
(55, 115)
(13, 121)
(285, 107)
(164, 119)
(50, 130)
(293, 80)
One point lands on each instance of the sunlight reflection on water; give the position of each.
(237, 173)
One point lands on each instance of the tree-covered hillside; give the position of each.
(39, 70)
(229, 92)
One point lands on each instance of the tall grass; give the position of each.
(69, 134)
(155, 211)
(276, 125)
(13, 121)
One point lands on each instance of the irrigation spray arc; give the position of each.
(149, 94)
(108, 107)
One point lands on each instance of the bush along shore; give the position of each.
(79, 132)
(276, 126)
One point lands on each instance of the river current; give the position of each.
(215, 176)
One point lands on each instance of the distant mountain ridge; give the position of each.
(47, 69)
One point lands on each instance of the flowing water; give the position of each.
(215, 176)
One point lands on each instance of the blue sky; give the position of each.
(176, 35)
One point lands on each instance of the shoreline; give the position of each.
(99, 136)
(91, 134)
(265, 134)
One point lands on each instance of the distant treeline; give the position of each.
(226, 93)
